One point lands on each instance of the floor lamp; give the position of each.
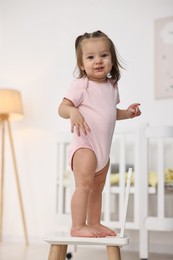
(10, 109)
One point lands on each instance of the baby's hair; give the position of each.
(115, 72)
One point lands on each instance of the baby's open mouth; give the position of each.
(99, 68)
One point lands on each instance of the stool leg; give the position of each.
(113, 253)
(57, 252)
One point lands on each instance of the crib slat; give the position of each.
(143, 191)
(61, 163)
(122, 171)
(126, 199)
(160, 170)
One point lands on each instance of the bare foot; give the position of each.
(103, 229)
(86, 231)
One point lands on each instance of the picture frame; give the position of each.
(163, 60)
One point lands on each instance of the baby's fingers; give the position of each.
(86, 128)
(80, 127)
(72, 128)
(83, 127)
(134, 109)
(137, 111)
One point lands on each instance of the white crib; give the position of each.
(146, 149)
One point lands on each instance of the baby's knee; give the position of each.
(85, 186)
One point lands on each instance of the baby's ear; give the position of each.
(82, 67)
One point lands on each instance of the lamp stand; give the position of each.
(4, 121)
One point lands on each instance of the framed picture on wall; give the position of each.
(164, 58)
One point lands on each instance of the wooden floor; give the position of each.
(18, 251)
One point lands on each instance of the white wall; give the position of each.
(37, 58)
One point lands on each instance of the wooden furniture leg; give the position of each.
(5, 120)
(113, 253)
(17, 182)
(57, 252)
(2, 179)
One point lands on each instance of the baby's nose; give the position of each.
(98, 59)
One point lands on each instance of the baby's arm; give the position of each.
(68, 110)
(131, 112)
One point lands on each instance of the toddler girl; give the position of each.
(91, 105)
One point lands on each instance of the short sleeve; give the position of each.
(75, 93)
(117, 97)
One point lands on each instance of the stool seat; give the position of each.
(64, 238)
(59, 242)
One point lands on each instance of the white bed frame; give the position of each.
(128, 147)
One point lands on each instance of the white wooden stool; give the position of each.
(59, 241)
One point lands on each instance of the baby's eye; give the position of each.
(90, 57)
(104, 55)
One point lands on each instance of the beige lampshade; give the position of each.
(11, 104)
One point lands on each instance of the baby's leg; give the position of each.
(95, 203)
(84, 166)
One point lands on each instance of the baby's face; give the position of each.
(96, 58)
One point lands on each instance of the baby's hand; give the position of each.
(78, 122)
(133, 110)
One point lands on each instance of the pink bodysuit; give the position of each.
(97, 103)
